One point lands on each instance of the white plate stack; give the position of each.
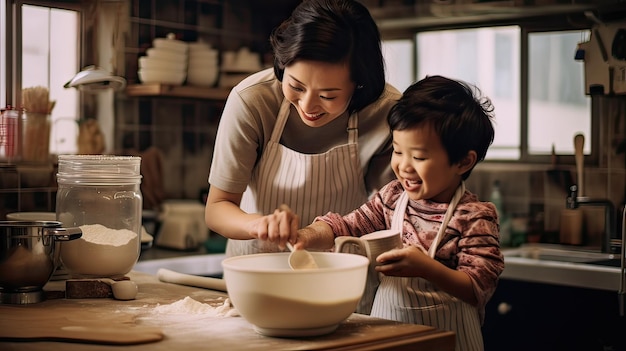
(203, 68)
(237, 65)
(166, 62)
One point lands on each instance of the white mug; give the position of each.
(373, 244)
(370, 245)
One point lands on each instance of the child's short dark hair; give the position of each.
(458, 113)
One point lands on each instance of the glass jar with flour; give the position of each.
(101, 195)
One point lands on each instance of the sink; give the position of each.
(563, 253)
(563, 265)
(209, 265)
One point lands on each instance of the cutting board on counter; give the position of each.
(49, 320)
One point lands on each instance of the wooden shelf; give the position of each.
(181, 91)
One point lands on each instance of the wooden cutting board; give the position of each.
(77, 323)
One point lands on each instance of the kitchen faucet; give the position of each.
(609, 244)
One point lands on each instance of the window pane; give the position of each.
(398, 56)
(489, 59)
(557, 100)
(50, 59)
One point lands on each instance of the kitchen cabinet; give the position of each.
(536, 316)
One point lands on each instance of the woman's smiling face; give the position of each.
(320, 91)
(421, 164)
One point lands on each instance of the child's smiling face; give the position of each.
(421, 164)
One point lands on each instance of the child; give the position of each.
(451, 260)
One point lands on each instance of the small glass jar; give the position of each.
(101, 195)
(9, 138)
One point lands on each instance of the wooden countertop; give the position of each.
(197, 331)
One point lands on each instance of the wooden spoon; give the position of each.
(301, 259)
(579, 143)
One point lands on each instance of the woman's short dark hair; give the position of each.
(458, 113)
(333, 31)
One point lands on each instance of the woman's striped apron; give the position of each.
(416, 300)
(310, 184)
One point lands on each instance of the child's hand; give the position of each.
(408, 261)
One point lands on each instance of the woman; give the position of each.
(310, 134)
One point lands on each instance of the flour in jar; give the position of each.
(101, 235)
(101, 252)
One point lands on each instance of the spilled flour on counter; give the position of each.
(186, 319)
(190, 306)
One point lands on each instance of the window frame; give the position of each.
(13, 49)
(554, 23)
(593, 157)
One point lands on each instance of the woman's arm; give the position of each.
(223, 215)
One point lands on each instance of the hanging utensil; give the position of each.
(579, 143)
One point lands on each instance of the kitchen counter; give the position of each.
(193, 331)
(561, 269)
(157, 253)
(518, 266)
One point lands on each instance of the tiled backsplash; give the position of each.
(538, 196)
(182, 129)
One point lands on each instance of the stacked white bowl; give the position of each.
(203, 68)
(237, 65)
(166, 62)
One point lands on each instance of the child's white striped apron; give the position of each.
(416, 300)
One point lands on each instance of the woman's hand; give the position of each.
(278, 227)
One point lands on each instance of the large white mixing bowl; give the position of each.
(280, 301)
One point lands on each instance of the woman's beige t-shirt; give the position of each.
(249, 117)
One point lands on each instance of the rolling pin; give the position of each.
(169, 276)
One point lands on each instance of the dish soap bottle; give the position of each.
(496, 199)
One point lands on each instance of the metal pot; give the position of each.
(28, 257)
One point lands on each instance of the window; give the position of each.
(489, 59)
(49, 38)
(399, 63)
(556, 93)
(527, 123)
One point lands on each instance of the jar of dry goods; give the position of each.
(35, 137)
(101, 195)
